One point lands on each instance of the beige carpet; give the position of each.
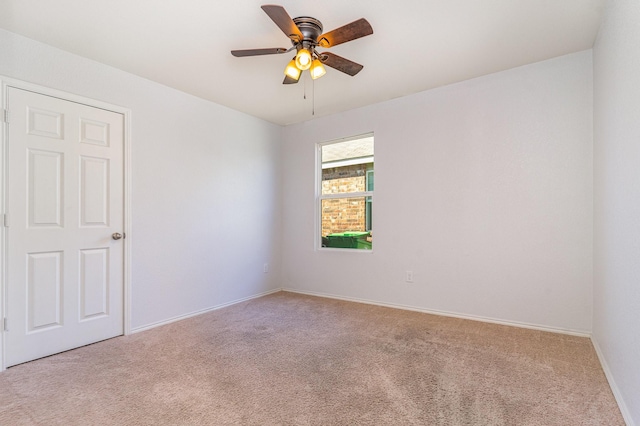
(288, 359)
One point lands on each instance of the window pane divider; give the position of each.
(347, 195)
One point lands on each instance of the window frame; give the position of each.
(368, 202)
(319, 197)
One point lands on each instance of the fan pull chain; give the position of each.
(313, 97)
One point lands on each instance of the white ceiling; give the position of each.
(416, 45)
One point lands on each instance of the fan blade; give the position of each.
(340, 63)
(352, 31)
(289, 80)
(256, 52)
(283, 20)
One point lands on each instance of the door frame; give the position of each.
(5, 84)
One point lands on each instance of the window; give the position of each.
(345, 193)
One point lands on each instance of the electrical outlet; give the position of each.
(265, 268)
(408, 276)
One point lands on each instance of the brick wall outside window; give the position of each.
(347, 214)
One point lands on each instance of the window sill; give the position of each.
(342, 250)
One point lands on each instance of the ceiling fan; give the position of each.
(306, 35)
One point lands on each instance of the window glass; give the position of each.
(346, 193)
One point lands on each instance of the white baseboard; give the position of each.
(200, 312)
(612, 384)
(579, 333)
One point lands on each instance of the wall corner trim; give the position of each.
(626, 415)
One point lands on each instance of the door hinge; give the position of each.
(5, 220)
(5, 115)
(5, 324)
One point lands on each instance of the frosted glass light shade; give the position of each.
(292, 70)
(303, 59)
(317, 69)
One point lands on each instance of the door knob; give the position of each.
(116, 236)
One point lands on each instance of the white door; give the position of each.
(64, 204)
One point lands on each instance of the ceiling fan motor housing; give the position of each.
(311, 28)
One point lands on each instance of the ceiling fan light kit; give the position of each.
(292, 70)
(303, 59)
(306, 34)
(317, 69)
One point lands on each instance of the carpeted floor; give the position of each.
(288, 359)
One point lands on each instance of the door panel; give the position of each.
(94, 186)
(94, 283)
(45, 123)
(64, 201)
(44, 291)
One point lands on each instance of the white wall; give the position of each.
(205, 184)
(483, 190)
(616, 319)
